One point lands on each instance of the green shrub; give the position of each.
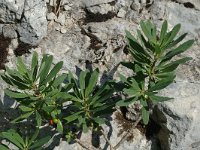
(152, 65)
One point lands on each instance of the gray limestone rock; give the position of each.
(33, 26)
(11, 10)
(178, 118)
(9, 31)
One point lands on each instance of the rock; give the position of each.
(61, 19)
(63, 30)
(51, 16)
(121, 13)
(11, 10)
(9, 31)
(178, 118)
(1, 28)
(67, 7)
(102, 9)
(135, 5)
(30, 30)
(52, 2)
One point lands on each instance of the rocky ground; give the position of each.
(91, 32)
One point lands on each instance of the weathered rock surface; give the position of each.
(92, 32)
(27, 17)
(178, 118)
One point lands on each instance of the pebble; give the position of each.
(63, 30)
(61, 19)
(51, 16)
(121, 13)
(67, 7)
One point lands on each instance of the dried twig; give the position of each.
(107, 140)
(81, 144)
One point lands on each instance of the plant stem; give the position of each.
(81, 144)
(107, 140)
(127, 133)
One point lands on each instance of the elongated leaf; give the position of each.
(3, 147)
(45, 70)
(173, 34)
(21, 66)
(12, 137)
(126, 102)
(145, 116)
(99, 120)
(59, 80)
(34, 66)
(92, 83)
(173, 65)
(73, 116)
(156, 98)
(175, 42)
(14, 94)
(180, 49)
(25, 108)
(40, 143)
(146, 31)
(53, 72)
(163, 30)
(60, 127)
(38, 119)
(162, 84)
(33, 138)
(22, 117)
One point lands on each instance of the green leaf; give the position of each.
(146, 30)
(25, 108)
(59, 80)
(126, 102)
(53, 72)
(162, 84)
(22, 117)
(13, 137)
(173, 65)
(14, 94)
(156, 98)
(145, 116)
(21, 66)
(175, 42)
(45, 70)
(35, 135)
(3, 147)
(60, 127)
(73, 117)
(163, 30)
(34, 66)
(82, 82)
(180, 49)
(38, 119)
(173, 34)
(92, 82)
(39, 143)
(99, 120)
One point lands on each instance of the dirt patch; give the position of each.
(125, 125)
(4, 43)
(98, 17)
(23, 48)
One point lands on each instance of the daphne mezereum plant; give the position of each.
(152, 65)
(23, 142)
(90, 103)
(37, 89)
